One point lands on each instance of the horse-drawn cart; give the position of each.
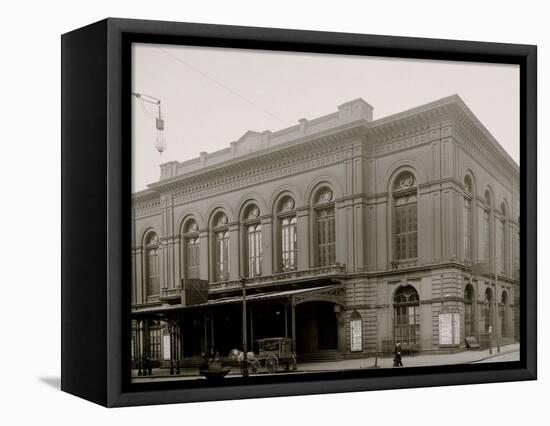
(272, 353)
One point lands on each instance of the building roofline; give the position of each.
(454, 99)
(438, 105)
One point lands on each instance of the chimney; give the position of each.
(354, 110)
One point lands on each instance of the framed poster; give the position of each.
(293, 208)
(356, 331)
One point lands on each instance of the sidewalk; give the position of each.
(465, 357)
(507, 353)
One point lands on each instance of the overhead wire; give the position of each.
(223, 86)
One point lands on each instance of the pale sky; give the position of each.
(212, 96)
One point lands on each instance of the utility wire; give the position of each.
(223, 86)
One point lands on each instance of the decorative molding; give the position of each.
(404, 181)
(253, 212)
(287, 204)
(281, 278)
(221, 219)
(325, 196)
(193, 226)
(141, 210)
(199, 187)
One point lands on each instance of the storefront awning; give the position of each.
(328, 293)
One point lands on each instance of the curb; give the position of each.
(492, 356)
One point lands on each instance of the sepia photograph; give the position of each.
(294, 213)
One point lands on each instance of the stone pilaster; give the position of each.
(203, 254)
(234, 251)
(267, 253)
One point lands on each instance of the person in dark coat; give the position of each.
(397, 355)
(147, 366)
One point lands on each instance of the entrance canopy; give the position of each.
(329, 293)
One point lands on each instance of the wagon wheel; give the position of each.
(255, 364)
(271, 363)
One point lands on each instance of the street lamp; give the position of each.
(160, 142)
(245, 349)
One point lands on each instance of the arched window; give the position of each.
(502, 313)
(152, 265)
(191, 244)
(253, 241)
(488, 309)
(467, 218)
(288, 234)
(469, 314)
(487, 227)
(405, 229)
(406, 311)
(324, 224)
(221, 247)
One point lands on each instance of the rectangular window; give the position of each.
(486, 236)
(153, 271)
(254, 242)
(467, 223)
(288, 244)
(222, 256)
(326, 244)
(192, 260)
(502, 245)
(407, 324)
(405, 228)
(155, 335)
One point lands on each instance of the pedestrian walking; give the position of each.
(397, 355)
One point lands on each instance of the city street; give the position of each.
(507, 353)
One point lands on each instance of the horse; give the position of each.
(237, 355)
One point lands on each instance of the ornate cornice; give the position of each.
(416, 127)
(268, 158)
(229, 179)
(448, 117)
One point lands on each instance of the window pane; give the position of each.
(288, 244)
(153, 272)
(325, 237)
(222, 256)
(487, 235)
(192, 265)
(254, 254)
(405, 228)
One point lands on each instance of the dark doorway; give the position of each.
(227, 328)
(193, 334)
(316, 327)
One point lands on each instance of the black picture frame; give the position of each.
(96, 208)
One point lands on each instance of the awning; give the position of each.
(329, 293)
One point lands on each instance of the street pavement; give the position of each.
(507, 353)
(464, 357)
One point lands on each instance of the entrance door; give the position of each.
(316, 327)
(327, 335)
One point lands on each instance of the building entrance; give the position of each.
(316, 327)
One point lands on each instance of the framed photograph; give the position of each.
(255, 212)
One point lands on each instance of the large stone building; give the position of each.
(352, 234)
